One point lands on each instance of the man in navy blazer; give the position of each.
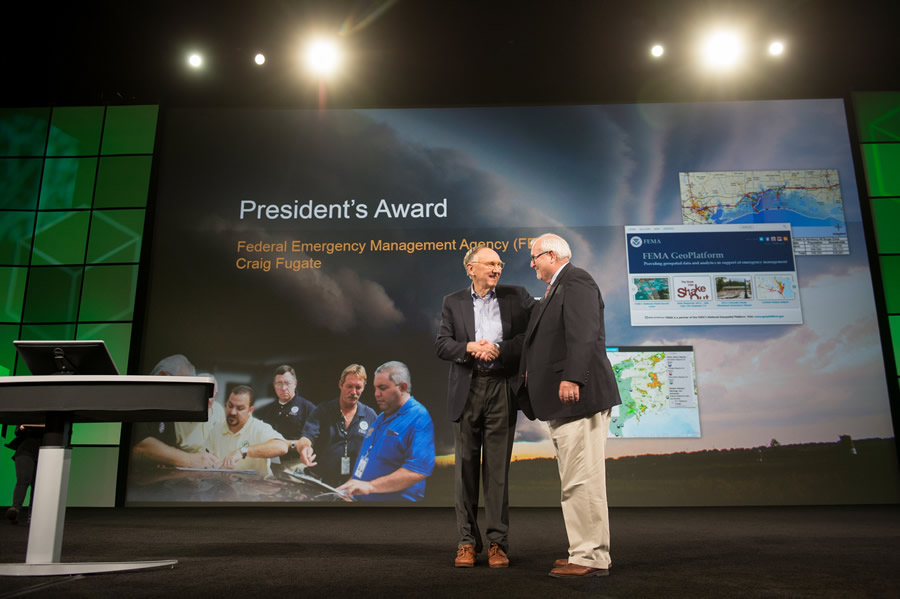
(481, 336)
(569, 382)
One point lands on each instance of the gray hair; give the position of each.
(397, 372)
(554, 243)
(177, 365)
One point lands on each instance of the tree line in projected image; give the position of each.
(371, 289)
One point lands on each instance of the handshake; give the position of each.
(483, 350)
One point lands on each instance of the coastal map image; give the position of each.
(810, 200)
(659, 397)
(777, 287)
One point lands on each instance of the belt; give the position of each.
(492, 373)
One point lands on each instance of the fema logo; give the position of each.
(636, 242)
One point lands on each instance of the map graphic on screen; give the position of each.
(810, 200)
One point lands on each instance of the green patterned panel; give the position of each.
(8, 334)
(878, 116)
(96, 433)
(108, 293)
(92, 478)
(890, 276)
(44, 332)
(60, 238)
(23, 131)
(13, 280)
(75, 131)
(123, 182)
(68, 183)
(52, 294)
(129, 130)
(887, 224)
(116, 236)
(117, 337)
(882, 164)
(16, 229)
(20, 179)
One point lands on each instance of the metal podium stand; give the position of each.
(58, 402)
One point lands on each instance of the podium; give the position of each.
(58, 401)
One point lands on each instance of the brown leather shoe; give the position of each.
(497, 557)
(560, 563)
(576, 570)
(465, 556)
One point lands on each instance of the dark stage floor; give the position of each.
(378, 552)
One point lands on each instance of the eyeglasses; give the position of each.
(499, 265)
(536, 256)
(280, 385)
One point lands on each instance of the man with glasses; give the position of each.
(480, 335)
(288, 413)
(569, 383)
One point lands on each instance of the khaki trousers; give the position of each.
(581, 455)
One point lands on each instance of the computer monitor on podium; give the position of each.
(66, 357)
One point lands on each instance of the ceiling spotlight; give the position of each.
(776, 48)
(322, 56)
(195, 60)
(657, 51)
(260, 59)
(722, 49)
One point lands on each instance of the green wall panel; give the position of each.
(23, 131)
(117, 336)
(882, 165)
(123, 182)
(890, 276)
(96, 433)
(8, 334)
(16, 229)
(60, 238)
(68, 183)
(52, 294)
(895, 336)
(130, 129)
(92, 478)
(13, 280)
(886, 213)
(75, 131)
(878, 116)
(108, 293)
(20, 179)
(116, 236)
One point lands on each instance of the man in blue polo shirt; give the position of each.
(397, 454)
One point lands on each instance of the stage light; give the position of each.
(776, 48)
(195, 60)
(722, 49)
(260, 59)
(322, 56)
(657, 51)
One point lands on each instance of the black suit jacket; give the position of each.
(458, 328)
(566, 341)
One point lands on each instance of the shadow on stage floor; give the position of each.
(303, 552)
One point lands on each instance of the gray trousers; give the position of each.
(484, 437)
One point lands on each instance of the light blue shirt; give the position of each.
(488, 324)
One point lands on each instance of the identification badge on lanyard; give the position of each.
(345, 465)
(361, 467)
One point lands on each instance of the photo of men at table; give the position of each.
(371, 457)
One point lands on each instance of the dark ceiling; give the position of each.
(439, 52)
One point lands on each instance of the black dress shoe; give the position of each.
(12, 514)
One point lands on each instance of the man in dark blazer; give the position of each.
(568, 382)
(481, 336)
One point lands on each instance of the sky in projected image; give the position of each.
(582, 171)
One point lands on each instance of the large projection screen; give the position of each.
(324, 238)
